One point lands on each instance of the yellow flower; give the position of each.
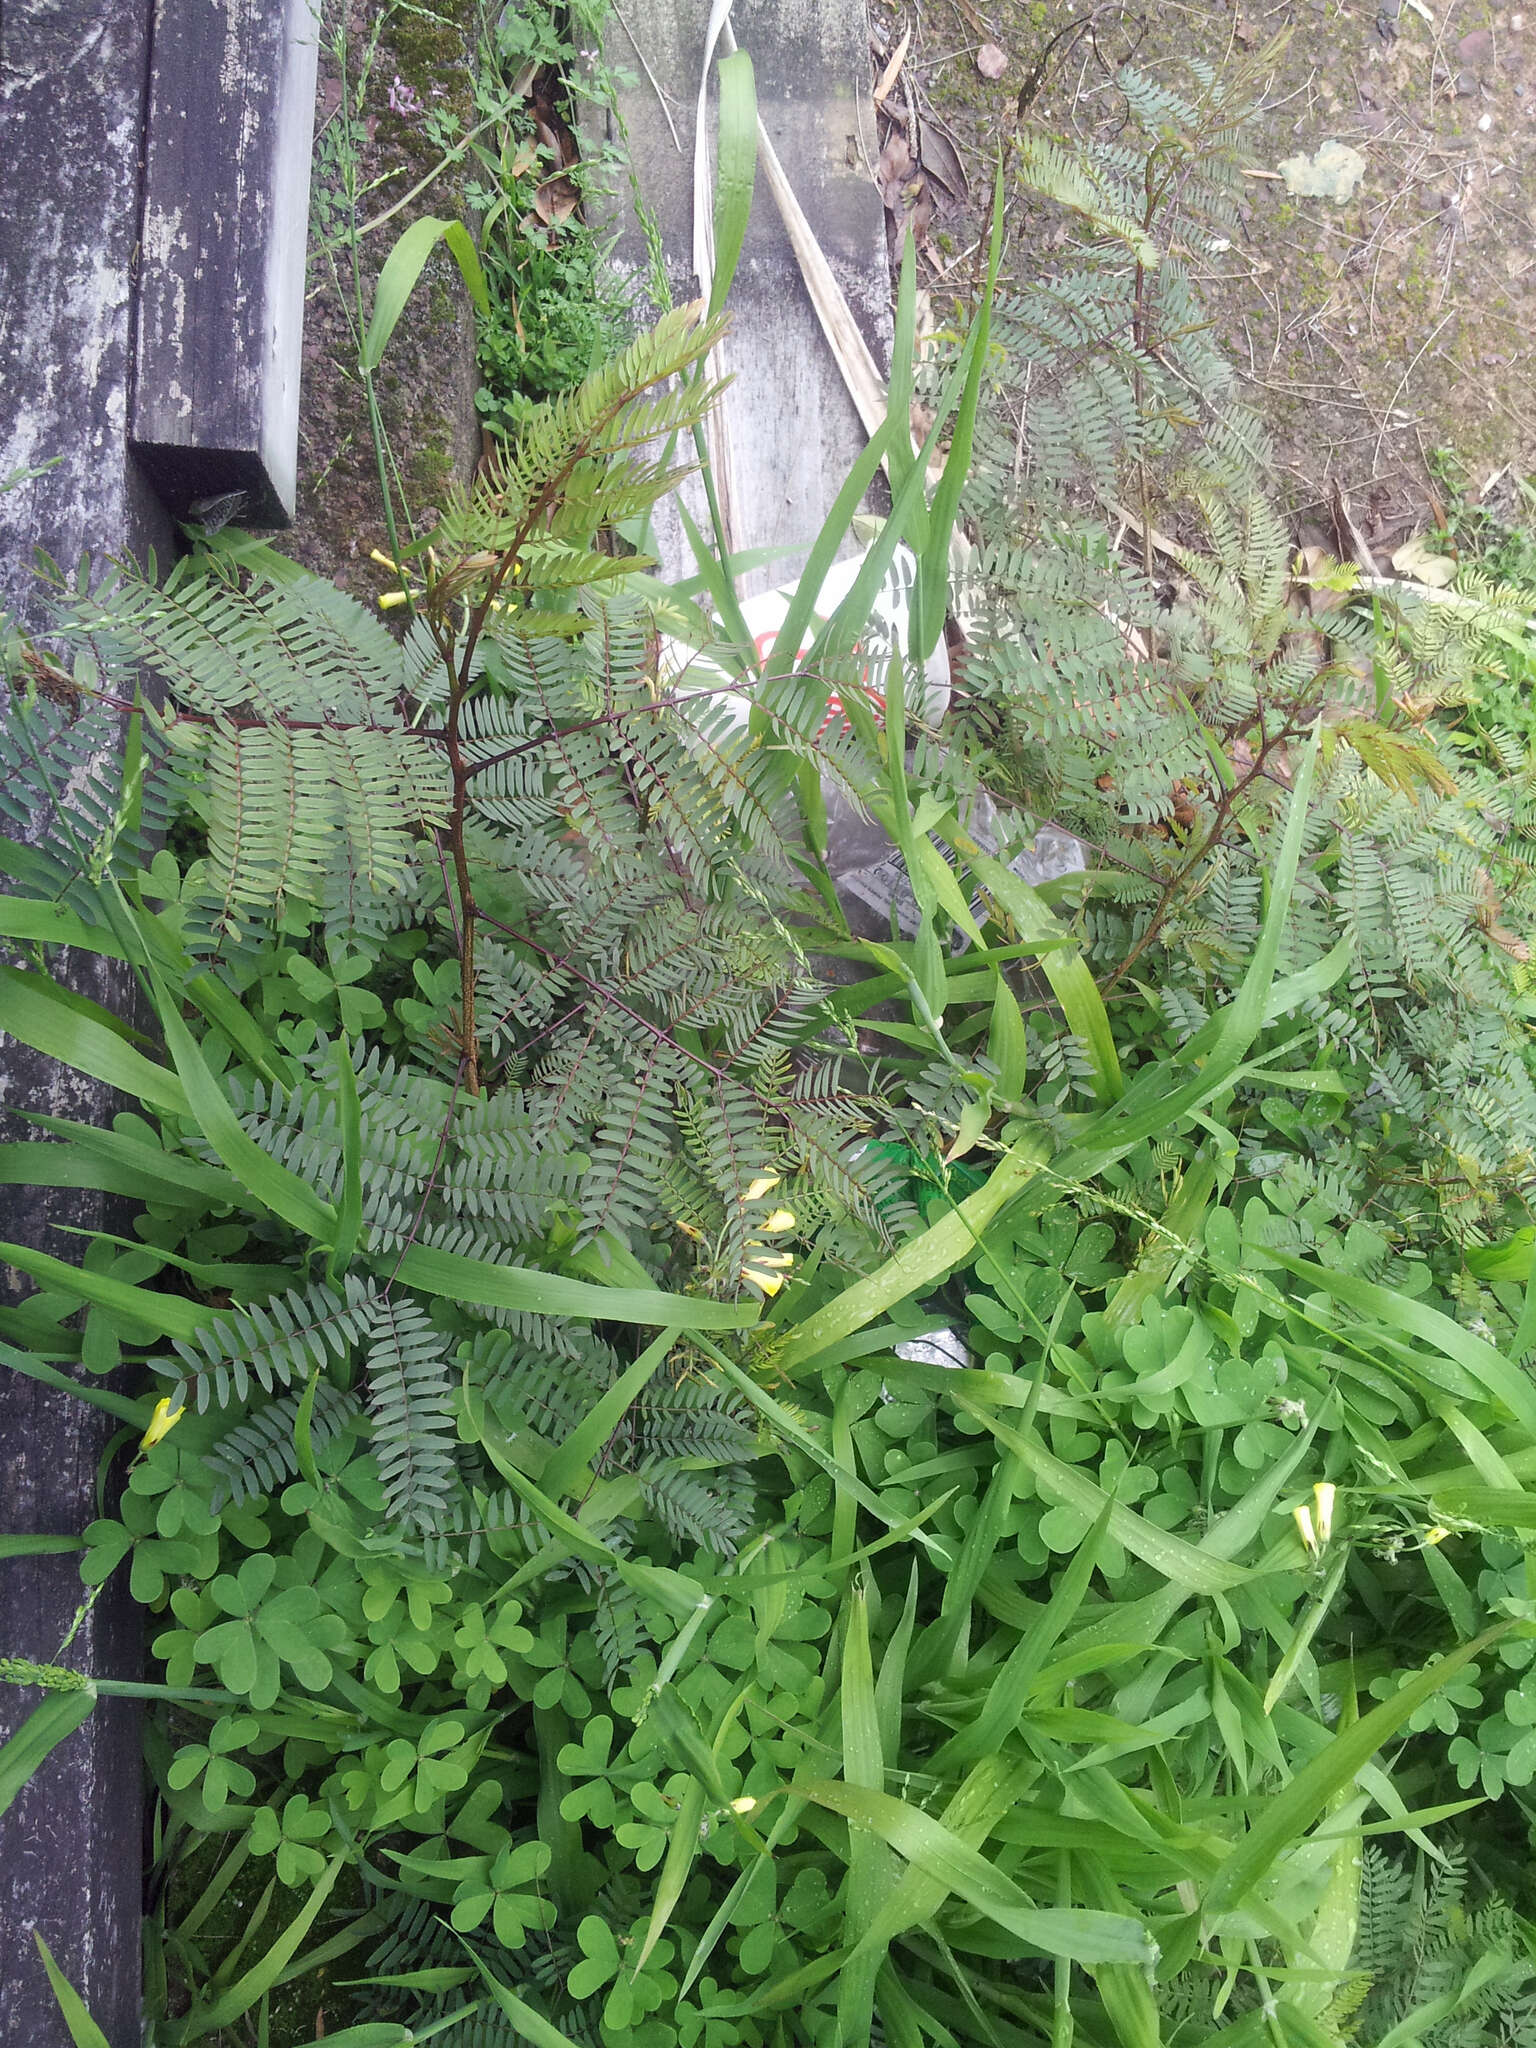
(392, 598)
(1323, 1495)
(1302, 1517)
(761, 1186)
(161, 1423)
(1434, 1536)
(781, 1219)
(770, 1283)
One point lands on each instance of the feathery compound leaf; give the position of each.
(410, 1400)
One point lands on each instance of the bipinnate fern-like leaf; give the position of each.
(272, 1344)
(288, 696)
(259, 1455)
(587, 459)
(1077, 182)
(410, 1402)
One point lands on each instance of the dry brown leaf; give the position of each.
(892, 71)
(556, 200)
(894, 168)
(943, 161)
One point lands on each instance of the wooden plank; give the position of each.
(221, 283)
(73, 75)
(791, 426)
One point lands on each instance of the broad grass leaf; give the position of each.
(83, 2030)
(404, 265)
(41, 1016)
(50, 1723)
(457, 1278)
(1291, 1811)
(1085, 1936)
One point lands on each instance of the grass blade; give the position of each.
(48, 1724)
(735, 171)
(1288, 1815)
(567, 1471)
(258, 1980)
(555, 1294)
(950, 1242)
(83, 2030)
(869, 1862)
(169, 1315)
(41, 1016)
(404, 265)
(934, 1849)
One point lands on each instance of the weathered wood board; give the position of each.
(792, 428)
(221, 279)
(72, 81)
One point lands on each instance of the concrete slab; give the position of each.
(791, 427)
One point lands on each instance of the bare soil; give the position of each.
(1370, 333)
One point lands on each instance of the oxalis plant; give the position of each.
(628, 1556)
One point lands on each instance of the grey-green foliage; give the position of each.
(1147, 653)
(1443, 1971)
(575, 883)
(73, 797)
(600, 869)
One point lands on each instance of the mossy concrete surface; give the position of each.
(1368, 333)
(413, 61)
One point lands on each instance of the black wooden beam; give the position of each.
(72, 84)
(221, 282)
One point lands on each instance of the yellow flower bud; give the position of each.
(391, 600)
(1434, 1536)
(161, 1423)
(1302, 1517)
(1323, 1495)
(770, 1283)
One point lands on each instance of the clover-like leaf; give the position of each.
(600, 1957)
